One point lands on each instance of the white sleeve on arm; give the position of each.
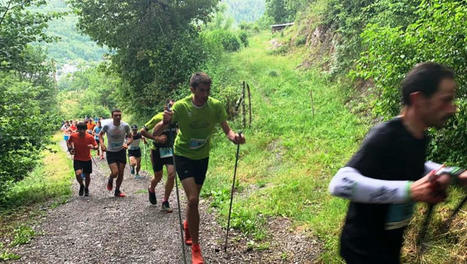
(453, 171)
(350, 184)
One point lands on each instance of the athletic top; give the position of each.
(116, 135)
(136, 140)
(82, 151)
(389, 152)
(170, 132)
(90, 125)
(196, 126)
(97, 130)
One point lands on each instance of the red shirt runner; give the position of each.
(80, 143)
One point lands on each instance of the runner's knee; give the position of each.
(193, 201)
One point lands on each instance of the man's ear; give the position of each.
(416, 98)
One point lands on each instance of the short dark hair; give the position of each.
(200, 78)
(425, 78)
(81, 125)
(115, 110)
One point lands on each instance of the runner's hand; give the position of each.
(239, 139)
(91, 146)
(103, 148)
(430, 189)
(167, 116)
(125, 146)
(72, 151)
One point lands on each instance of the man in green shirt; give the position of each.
(161, 155)
(196, 116)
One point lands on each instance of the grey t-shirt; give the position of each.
(116, 135)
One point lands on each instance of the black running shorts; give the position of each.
(157, 162)
(134, 153)
(116, 157)
(187, 168)
(85, 166)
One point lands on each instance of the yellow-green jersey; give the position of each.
(196, 126)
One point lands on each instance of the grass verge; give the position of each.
(293, 149)
(48, 185)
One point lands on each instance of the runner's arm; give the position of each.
(101, 139)
(145, 133)
(129, 140)
(159, 128)
(348, 183)
(231, 135)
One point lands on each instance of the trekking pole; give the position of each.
(171, 144)
(231, 195)
(427, 219)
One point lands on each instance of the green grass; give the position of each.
(50, 179)
(49, 184)
(291, 154)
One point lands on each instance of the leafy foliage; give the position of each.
(24, 127)
(28, 91)
(160, 50)
(88, 92)
(438, 34)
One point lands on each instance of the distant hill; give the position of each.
(73, 47)
(245, 10)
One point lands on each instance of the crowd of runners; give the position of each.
(383, 180)
(179, 135)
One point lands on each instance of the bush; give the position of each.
(24, 129)
(243, 36)
(224, 38)
(437, 35)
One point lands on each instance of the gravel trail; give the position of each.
(104, 229)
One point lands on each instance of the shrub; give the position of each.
(243, 36)
(437, 35)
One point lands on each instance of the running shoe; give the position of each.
(152, 197)
(166, 207)
(196, 257)
(132, 170)
(81, 190)
(188, 240)
(118, 193)
(110, 184)
(86, 191)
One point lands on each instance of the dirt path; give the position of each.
(104, 229)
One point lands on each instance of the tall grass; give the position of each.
(291, 153)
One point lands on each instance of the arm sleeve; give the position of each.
(348, 183)
(153, 122)
(454, 172)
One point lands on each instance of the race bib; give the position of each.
(116, 144)
(399, 215)
(196, 143)
(165, 152)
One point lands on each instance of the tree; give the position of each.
(18, 28)
(156, 44)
